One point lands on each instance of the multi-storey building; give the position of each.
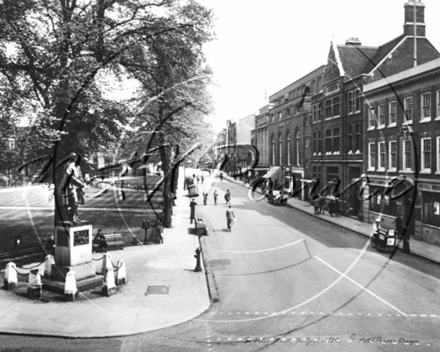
(403, 139)
(244, 153)
(288, 121)
(231, 141)
(260, 140)
(337, 111)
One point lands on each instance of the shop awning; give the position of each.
(273, 172)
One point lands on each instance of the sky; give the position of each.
(263, 46)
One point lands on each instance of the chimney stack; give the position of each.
(353, 41)
(408, 27)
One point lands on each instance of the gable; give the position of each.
(402, 58)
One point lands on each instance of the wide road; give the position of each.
(287, 275)
(282, 273)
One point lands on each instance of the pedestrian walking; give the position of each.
(331, 208)
(228, 197)
(270, 183)
(205, 198)
(398, 224)
(197, 177)
(202, 178)
(404, 233)
(192, 205)
(50, 246)
(230, 218)
(215, 197)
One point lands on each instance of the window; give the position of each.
(431, 209)
(280, 149)
(438, 154)
(357, 100)
(315, 143)
(407, 150)
(371, 155)
(382, 115)
(392, 113)
(336, 140)
(328, 141)
(350, 138)
(393, 155)
(408, 107)
(438, 103)
(357, 139)
(298, 148)
(332, 173)
(319, 142)
(350, 102)
(288, 148)
(426, 106)
(372, 118)
(328, 109)
(381, 164)
(426, 154)
(319, 111)
(315, 112)
(313, 87)
(336, 106)
(381, 204)
(273, 150)
(319, 84)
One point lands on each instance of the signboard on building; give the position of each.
(429, 187)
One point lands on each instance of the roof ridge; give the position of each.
(392, 49)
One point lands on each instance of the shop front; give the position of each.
(276, 174)
(430, 209)
(387, 205)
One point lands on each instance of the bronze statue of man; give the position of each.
(71, 189)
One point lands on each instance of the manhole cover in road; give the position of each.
(157, 290)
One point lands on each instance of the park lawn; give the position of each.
(36, 226)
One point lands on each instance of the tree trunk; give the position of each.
(167, 197)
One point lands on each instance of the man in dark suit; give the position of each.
(192, 205)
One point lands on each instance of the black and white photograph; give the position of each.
(218, 175)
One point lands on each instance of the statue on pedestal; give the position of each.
(71, 190)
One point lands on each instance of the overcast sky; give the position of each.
(263, 46)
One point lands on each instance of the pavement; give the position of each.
(418, 248)
(130, 311)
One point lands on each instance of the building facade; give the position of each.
(403, 139)
(245, 155)
(260, 141)
(288, 117)
(338, 116)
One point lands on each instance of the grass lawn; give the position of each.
(36, 225)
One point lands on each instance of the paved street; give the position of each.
(282, 273)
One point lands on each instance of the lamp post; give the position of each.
(408, 130)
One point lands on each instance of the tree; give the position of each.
(53, 50)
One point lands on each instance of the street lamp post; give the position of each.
(408, 130)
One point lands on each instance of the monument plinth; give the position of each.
(73, 237)
(73, 251)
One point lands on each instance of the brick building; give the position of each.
(260, 140)
(338, 116)
(288, 120)
(403, 139)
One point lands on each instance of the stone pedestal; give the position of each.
(73, 251)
